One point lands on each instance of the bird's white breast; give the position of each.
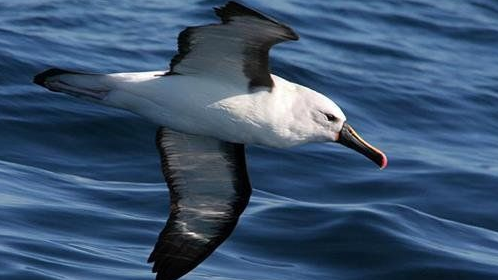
(200, 106)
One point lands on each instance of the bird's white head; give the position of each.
(320, 119)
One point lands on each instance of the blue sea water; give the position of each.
(82, 195)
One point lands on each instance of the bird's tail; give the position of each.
(83, 85)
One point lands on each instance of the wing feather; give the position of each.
(236, 50)
(209, 190)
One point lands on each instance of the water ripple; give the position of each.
(82, 195)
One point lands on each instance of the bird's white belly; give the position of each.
(202, 107)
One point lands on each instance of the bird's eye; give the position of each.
(331, 118)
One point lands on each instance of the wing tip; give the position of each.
(235, 9)
(40, 78)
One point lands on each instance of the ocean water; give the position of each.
(82, 195)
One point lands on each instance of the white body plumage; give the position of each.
(289, 115)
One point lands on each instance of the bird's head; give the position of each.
(329, 124)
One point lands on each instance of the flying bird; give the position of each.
(217, 96)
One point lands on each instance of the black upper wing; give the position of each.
(235, 50)
(209, 189)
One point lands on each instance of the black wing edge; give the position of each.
(234, 9)
(172, 269)
(225, 13)
(183, 49)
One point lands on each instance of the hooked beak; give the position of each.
(349, 138)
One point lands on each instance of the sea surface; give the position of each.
(81, 191)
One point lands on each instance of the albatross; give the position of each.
(217, 96)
